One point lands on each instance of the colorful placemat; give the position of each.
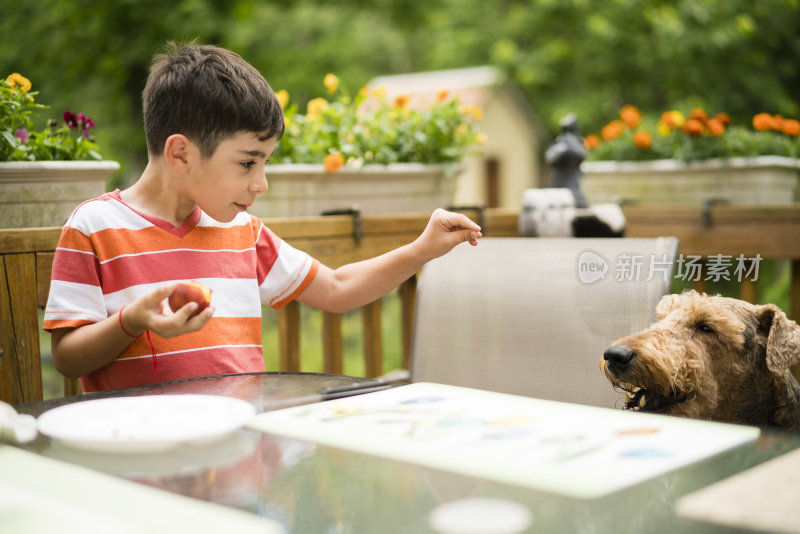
(41, 495)
(764, 498)
(570, 449)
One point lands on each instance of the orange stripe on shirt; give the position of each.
(74, 240)
(218, 331)
(112, 242)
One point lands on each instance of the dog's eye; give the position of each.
(703, 327)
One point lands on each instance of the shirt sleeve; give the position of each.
(283, 271)
(76, 296)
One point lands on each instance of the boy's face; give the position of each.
(227, 183)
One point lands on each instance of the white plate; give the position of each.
(145, 424)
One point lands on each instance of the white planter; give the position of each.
(765, 180)
(302, 190)
(44, 193)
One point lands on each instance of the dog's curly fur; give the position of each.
(711, 357)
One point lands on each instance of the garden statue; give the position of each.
(565, 157)
(561, 210)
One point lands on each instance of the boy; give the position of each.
(211, 122)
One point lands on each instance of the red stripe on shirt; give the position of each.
(267, 247)
(73, 266)
(127, 271)
(134, 372)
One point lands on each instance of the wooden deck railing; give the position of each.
(770, 232)
(714, 230)
(337, 240)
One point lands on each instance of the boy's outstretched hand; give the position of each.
(445, 230)
(356, 284)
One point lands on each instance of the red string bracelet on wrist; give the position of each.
(123, 326)
(150, 341)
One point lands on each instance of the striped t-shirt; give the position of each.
(109, 254)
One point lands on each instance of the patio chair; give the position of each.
(533, 316)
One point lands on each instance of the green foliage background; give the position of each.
(584, 56)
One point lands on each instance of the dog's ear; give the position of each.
(783, 338)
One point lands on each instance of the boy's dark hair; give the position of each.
(206, 93)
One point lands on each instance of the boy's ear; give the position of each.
(177, 152)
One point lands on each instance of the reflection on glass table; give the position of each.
(308, 487)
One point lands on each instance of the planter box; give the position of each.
(302, 190)
(765, 180)
(44, 193)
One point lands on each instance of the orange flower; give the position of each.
(724, 118)
(441, 95)
(630, 116)
(791, 127)
(316, 106)
(672, 119)
(481, 138)
(401, 101)
(331, 83)
(716, 127)
(669, 121)
(612, 130)
(591, 141)
(333, 162)
(762, 122)
(693, 127)
(642, 140)
(777, 123)
(698, 114)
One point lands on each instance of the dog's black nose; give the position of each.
(618, 358)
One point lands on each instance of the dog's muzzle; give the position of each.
(618, 358)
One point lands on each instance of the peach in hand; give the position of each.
(186, 292)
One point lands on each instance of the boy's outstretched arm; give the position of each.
(357, 284)
(81, 350)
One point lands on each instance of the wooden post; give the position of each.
(794, 291)
(20, 360)
(332, 342)
(289, 334)
(492, 182)
(408, 295)
(44, 268)
(748, 288)
(794, 303)
(72, 387)
(373, 340)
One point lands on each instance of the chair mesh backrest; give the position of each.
(532, 316)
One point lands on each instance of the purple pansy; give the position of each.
(21, 134)
(71, 119)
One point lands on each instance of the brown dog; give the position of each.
(711, 357)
